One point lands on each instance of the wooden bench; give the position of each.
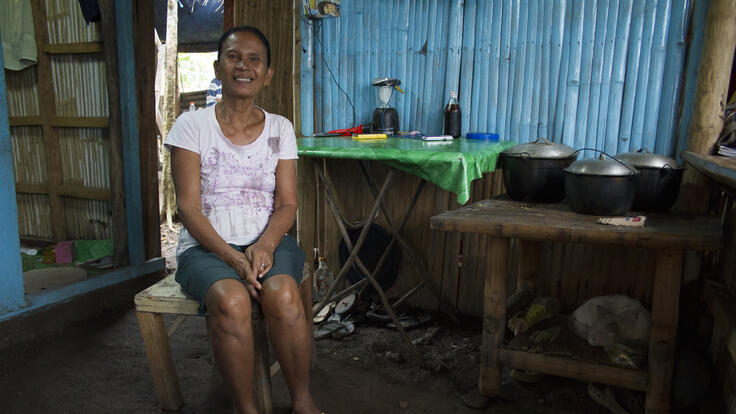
(167, 297)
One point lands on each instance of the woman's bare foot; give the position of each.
(307, 407)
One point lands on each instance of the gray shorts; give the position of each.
(198, 268)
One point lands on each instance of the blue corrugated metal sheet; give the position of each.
(602, 74)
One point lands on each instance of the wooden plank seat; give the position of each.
(167, 297)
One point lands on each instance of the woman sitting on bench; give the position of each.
(234, 170)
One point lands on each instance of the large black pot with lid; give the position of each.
(534, 171)
(659, 182)
(604, 186)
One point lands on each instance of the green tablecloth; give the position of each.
(451, 165)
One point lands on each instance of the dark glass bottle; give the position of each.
(453, 118)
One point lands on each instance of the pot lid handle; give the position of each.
(543, 140)
(605, 155)
(644, 150)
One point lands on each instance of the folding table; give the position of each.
(451, 165)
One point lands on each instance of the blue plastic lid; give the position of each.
(482, 135)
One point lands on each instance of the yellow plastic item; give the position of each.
(369, 136)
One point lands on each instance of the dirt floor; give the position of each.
(99, 366)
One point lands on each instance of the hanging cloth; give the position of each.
(19, 39)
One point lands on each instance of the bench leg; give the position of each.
(156, 342)
(261, 368)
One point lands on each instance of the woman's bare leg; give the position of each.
(290, 337)
(231, 336)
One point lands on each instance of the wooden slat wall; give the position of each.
(275, 20)
(58, 111)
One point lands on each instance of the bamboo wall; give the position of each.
(275, 20)
(58, 116)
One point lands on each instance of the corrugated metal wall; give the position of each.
(602, 74)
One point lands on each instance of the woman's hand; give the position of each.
(244, 266)
(260, 258)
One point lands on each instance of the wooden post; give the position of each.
(714, 74)
(47, 108)
(145, 57)
(710, 99)
(156, 342)
(494, 315)
(119, 231)
(665, 308)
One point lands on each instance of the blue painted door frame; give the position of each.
(11, 273)
(13, 301)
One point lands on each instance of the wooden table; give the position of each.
(666, 236)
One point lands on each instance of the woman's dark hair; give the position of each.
(248, 29)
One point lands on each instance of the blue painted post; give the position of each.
(544, 105)
(482, 68)
(519, 65)
(129, 124)
(656, 74)
(632, 73)
(556, 50)
(493, 97)
(503, 80)
(563, 75)
(586, 72)
(573, 72)
(672, 82)
(306, 79)
(602, 108)
(530, 55)
(467, 61)
(695, 52)
(640, 103)
(537, 78)
(618, 76)
(602, 25)
(11, 278)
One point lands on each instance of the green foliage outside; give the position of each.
(195, 71)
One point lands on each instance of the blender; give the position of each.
(385, 119)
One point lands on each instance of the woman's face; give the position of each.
(242, 66)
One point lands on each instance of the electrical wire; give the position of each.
(321, 55)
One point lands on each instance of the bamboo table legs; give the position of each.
(378, 204)
(665, 307)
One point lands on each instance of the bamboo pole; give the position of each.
(171, 101)
(714, 74)
(709, 103)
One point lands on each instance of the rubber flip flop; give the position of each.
(322, 315)
(345, 304)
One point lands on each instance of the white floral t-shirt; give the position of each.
(237, 182)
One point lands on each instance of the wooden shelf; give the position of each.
(569, 356)
(719, 168)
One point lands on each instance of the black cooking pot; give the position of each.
(659, 182)
(535, 171)
(602, 187)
